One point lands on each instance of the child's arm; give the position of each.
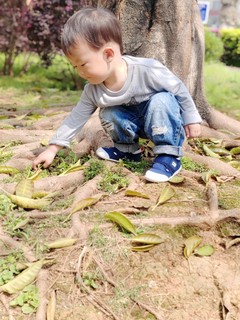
(66, 132)
(164, 79)
(192, 130)
(47, 156)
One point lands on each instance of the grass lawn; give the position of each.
(222, 87)
(40, 87)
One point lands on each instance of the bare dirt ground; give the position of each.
(100, 277)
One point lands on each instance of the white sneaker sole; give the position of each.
(101, 153)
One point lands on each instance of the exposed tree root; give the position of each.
(212, 199)
(134, 180)
(91, 137)
(219, 120)
(191, 174)
(52, 184)
(208, 132)
(129, 210)
(60, 182)
(200, 221)
(39, 111)
(19, 163)
(79, 228)
(25, 150)
(86, 190)
(214, 214)
(24, 136)
(215, 164)
(207, 221)
(231, 143)
(35, 214)
(52, 122)
(9, 241)
(42, 284)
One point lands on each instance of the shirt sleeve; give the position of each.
(164, 79)
(74, 122)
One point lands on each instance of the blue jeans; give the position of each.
(157, 119)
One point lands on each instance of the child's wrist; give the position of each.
(54, 148)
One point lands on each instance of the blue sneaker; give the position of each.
(113, 154)
(164, 168)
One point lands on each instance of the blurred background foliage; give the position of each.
(32, 65)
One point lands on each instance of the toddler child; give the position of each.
(137, 97)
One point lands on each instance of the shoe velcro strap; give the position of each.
(158, 165)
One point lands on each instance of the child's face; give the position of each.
(91, 65)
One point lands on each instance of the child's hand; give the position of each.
(46, 157)
(192, 130)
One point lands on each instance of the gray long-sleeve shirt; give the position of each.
(145, 77)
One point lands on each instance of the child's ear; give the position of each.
(108, 54)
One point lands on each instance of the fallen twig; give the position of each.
(91, 297)
(109, 280)
(156, 314)
(104, 273)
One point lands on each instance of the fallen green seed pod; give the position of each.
(147, 238)
(121, 220)
(9, 170)
(27, 203)
(133, 193)
(61, 243)
(23, 279)
(25, 188)
(40, 194)
(144, 248)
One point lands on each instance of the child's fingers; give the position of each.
(187, 133)
(192, 130)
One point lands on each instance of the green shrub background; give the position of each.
(231, 43)
(213, 46)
